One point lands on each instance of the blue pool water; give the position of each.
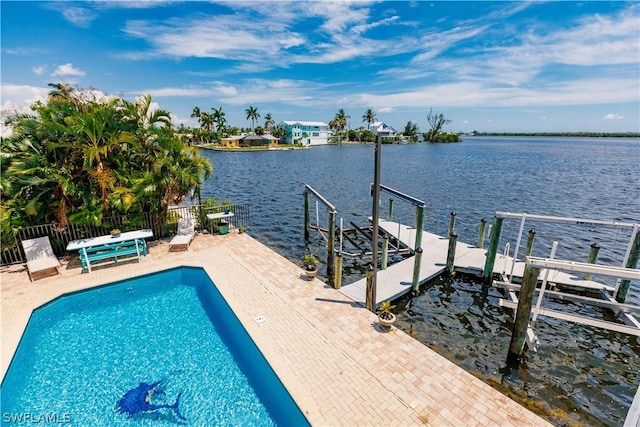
(81, 353)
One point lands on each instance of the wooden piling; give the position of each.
(530, 238)
(415, 281)
(525, 301)
(331, 244)
(385, 253)
(483, 225)
(390, 214)
(632, 262)
(452, 222)
(492, 250)
(370, 298)
(307, 214)
(592, 258)
(451, 253)
(337, 284)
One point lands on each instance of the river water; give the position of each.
(583, 374)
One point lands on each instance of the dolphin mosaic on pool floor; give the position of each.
(333, 358)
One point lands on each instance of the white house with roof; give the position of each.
(383, 129)
(305, 133)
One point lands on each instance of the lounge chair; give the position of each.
(184, 236)
(41, 260)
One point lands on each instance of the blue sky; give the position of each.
(487, 66)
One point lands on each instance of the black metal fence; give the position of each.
(12, 252)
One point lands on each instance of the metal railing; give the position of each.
(12, 252)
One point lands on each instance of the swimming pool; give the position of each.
(81, 353)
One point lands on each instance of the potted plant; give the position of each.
(310, 264)
(385, 316)
(115, 233)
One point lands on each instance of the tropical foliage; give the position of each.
(253, 115)
(339, 124)
(370, 117)
(83, 156)
(435, 134)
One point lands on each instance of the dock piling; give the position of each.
(385, 253)
(390, 214)
(632, 262)
(592, 258)
(483, 225)
(415, 282)
(307, 214)
(525, 301)
(530, 238)
(452, 222)
(451, 253)
(337, 284)
(492, 250)
(331, 244)
(370, 297)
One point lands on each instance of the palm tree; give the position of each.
(196, 113)
(218, 117)
(369, 116)
(339, 123)
(268, 121)
(252, 113)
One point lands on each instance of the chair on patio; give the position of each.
(41, 260)
(184, 236)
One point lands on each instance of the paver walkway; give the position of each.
(335, 361)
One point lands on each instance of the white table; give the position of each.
(83, 246)
(75, 245)
(220, 215)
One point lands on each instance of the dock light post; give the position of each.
(370, 301)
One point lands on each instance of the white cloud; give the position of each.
(68, 70)
(613, 116)
(79, 16)
(20, 97)
(38, 70)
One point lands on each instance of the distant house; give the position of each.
(382, 129)
(247, 141)
(305, 133)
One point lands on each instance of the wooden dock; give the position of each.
(396, 280)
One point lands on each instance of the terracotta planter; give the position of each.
(311, 273)
(387, 322)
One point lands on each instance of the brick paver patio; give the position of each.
(336, 362)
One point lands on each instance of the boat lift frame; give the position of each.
(576, 221)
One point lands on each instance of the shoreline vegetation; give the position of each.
(561, 134)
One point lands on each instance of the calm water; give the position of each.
(578, 369)
(82, 353)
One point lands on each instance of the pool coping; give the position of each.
(330, 353)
